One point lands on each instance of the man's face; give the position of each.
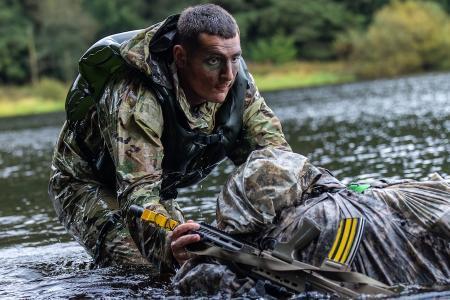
(208, 71)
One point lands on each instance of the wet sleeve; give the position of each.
(261, 128)
(132, 125)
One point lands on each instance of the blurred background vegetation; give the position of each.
(288, 43)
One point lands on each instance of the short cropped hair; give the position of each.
(205, 18)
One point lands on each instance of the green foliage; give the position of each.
(66, 23)
(364, 9)
(49, 89)
(345, 43)
(313, 24)
(404, 37)
(119, 16)
(47, 37)
(115, 16)
(277, 49)
(13, 43)
(445, 4)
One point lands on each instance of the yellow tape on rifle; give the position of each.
(159, 219)
(347, 240)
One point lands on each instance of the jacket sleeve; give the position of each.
(261, 128)
(131, 123)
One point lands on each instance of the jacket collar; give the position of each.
(150, 51)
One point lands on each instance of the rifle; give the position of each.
(275, 261)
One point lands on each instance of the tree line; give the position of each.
(46, 37)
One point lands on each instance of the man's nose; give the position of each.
(227, 73)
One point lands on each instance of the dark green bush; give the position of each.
(277, 49)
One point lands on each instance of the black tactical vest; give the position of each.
(189, 155)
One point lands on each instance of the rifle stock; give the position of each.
(278, 265)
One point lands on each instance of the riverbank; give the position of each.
(49, 95)
(46, 96)
(299, 74)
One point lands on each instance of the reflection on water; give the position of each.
(66, 271)
(387, 128)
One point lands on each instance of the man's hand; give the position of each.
(180, 238)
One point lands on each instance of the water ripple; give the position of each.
(362, 131)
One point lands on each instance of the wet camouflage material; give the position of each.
(128, 124)
(405, 240)
(427, 203)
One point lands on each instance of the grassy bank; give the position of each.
(46, 96)
(49, 95)
(299, 74)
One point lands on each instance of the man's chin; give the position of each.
(219, 98)
(216, 100)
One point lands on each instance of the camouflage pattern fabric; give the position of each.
(128, 124)
(271, 194)
(424, 202)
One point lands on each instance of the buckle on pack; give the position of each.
(208, 139)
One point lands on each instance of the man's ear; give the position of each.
(179, 56)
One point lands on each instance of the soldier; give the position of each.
(176, 100)
(396, 232)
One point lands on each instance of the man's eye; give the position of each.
(213, 61)
(236, 59)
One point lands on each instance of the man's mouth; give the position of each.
(223, 87)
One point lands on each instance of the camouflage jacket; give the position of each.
(128, 124)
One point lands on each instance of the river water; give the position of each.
(386, 128)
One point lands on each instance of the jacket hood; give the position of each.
(149, 51)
